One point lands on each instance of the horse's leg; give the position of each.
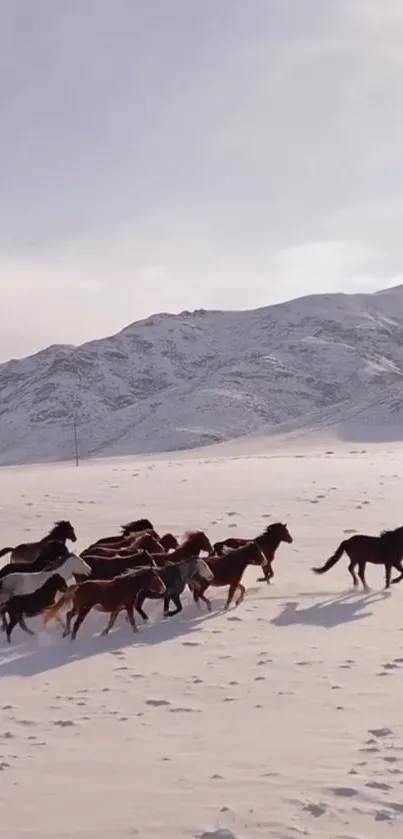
(232, 589)
(167, 600)
(398, 566)
(351, 570)
(176, 599)
(139, 606)
(10, 626)
(24, 626)
(3, 621)
(111, 622)
(82, 614)
(361, 574)
(388, 574)
(130, 617)
(242, 594)
(268, 574)
(69, 617)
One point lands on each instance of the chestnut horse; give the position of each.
(111, 596)
(386, 549)
(29, 551)
(195, 541)
(228, 569)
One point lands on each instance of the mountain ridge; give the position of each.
(175, 381)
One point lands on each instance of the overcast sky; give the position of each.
(160, 155)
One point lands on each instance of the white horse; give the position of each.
(26, 582)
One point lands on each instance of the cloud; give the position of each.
(166, 155)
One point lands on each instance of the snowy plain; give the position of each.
(280, 719)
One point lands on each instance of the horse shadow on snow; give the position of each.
(48, 650)
(329, 613)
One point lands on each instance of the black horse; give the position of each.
(30, 605)
(385, 549)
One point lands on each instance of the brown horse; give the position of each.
(279, 533)
(386, 549)
(229, 568)
(143, 541)
(128, 530)
(111, 596)
(195, 541)
(29, 551)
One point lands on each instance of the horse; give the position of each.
(28, 552)
(107, 569)
(175, 576)
(107, 596)
(195, 541)
(385, 549)
(146, 541)
(279, 533)
(128, 530)
(50, 553)
(26, 582)
(229, 568)
(31, 605)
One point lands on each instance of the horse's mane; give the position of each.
(385, 535)
(136, 526)
(192, 534)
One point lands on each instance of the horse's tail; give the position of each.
(53, 611)
(203, 570)
(5, 551)
(332, 560)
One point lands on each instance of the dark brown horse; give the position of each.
(278, 532)
(195, 541)
(29, 551)
(229, 568)
(111, 596)
(386, 550)
(128, 530)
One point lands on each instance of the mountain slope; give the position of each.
(178, 381)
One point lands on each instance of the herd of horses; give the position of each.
(119, 573)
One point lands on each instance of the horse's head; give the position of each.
(198, 541)
(279, 532)
(64, 530)
(77, 565)
(169, 542)
(149, 542)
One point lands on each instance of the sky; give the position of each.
(161, 155)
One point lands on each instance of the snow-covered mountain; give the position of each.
(180, 381)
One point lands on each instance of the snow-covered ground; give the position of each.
(282, 718)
